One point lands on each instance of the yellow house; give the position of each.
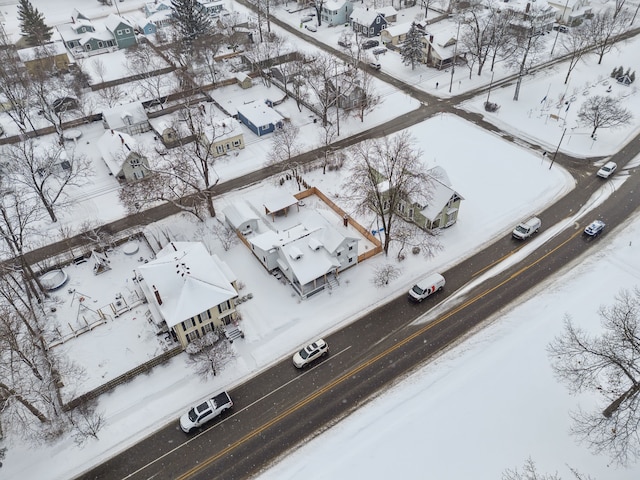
(48, 57)
(189, 291)
(222, 136)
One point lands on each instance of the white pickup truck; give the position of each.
(205, 412)
(526, 229)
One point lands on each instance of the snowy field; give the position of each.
(466, 400)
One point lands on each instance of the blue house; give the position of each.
(367, 21)
(158, 6)
(259, 118)
(121, 30)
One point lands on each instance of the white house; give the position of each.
(309, 254)
(571, 12)
(189, 291)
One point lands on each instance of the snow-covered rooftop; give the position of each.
(189, 281)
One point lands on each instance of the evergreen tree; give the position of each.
(32, 25)
(411, 48)
(190, 19)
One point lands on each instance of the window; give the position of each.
(135, 162)
(207, 327)
(224, 306)
(350, 247)
(220, 149)
(191, 336)
(127, 30)
(193, 321)
(88, 47)
(350, 259)
(236, 143)
(119, 32)
(100, 45)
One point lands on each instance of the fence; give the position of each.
(110, 385)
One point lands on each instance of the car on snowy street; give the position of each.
(594, 228)
(311, 352)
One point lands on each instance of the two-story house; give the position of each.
(123, 156)
(367, 21)
(189, 291)
(122, 31)
(571, 12)
(336, 12)
(439, 211)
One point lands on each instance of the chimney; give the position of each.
(157, 293)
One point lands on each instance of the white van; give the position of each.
(526, 229)
(426, 287)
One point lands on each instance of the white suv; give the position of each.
(311, 352)
(607, 169)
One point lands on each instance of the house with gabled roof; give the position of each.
(83, 38)
(123, 156)
(259, 117)
(536, 16)
(441, 48)
(222, 136)
(151, 8)
(439, 209)
(122, 31)
(367, 21)
(396, 34)
(189, 291)
(50, 56)
(130, 118)
(309, 254)
(336, 12)
(571, 12)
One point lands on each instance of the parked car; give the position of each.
(370, 44)
(311, 27)
(375, 65)
(64, 104)
(607, 169)
(379, 51)
(306, 18)
(344, 42)
(311, 352)
(594, 228)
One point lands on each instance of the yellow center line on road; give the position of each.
(321, 391)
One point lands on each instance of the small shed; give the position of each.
(244, 80)
(240, 217)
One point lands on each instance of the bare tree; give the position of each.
(15, 85)
(111, 95)
(604, 28)
(18, 215)
(47, 171)
(603, 112)
(386, 176)
(323, 77)
(186, 175)
(32, 374)
(384, 274)
(528, 44)
(143, 61)
(576, 44)
(530, 472)
(209, 354)
(607, 365)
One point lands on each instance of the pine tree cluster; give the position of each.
(411, 48)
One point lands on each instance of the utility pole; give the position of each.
(556, 152)
(455, 56)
